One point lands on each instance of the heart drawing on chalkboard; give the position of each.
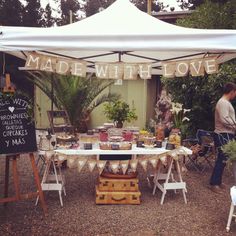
(11, 109)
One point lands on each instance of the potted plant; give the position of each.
(230, 150)
(119, 112)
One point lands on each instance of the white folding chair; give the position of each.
(232, 212)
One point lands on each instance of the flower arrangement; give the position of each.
(178, 114)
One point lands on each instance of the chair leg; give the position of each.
(231, 212)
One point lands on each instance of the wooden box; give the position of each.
(117, 185)
(131, 198)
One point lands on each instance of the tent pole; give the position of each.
(52, 92)
(149, 7)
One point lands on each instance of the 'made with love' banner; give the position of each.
(121, 70)
(17, 130)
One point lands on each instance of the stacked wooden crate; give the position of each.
(117, 191)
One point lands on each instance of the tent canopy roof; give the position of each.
(120, 33)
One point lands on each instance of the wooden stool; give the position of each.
(170, 183)
(55, 181)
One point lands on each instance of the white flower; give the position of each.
(176, 110)
(186, 110)
(186, 119)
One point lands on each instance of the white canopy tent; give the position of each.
(120, 33)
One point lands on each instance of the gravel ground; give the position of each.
(205, 214)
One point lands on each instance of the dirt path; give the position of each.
(205, 214)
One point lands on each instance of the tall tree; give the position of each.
(33, 13)
(65, 7)
(11, 12)
(47, 19)
(94, 6)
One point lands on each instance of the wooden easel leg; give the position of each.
(38, 184)
(16, 177)
(7, 167)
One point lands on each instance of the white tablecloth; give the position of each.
(134, 151)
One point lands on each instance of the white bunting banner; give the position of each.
(81, 162)
(71, 162)
(114, 166)
(133, 165)
(91, 165)
(101, 165)
(164, 160)
(124, 166)
(154, 161)
(144, 162)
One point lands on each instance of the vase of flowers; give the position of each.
(178, 118)
(119, 112)
(230, 150)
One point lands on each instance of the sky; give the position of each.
(171, 3)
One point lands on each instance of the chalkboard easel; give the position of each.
(17, 135)
(18, 196)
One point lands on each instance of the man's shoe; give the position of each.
(223, 186)
(215, 188)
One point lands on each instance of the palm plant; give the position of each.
(77, 96)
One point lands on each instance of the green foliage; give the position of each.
(48, 20)
(78, 96)
(119, 111)
(32, 14)
(212, 15)
(192, 4)
(230, 150)
(200, 94)
(65, 7)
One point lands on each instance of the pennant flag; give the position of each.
(60, 157)
(124, 166)
(164, 160)
(133, 165)
(154, 161)
(143, 162)
(91, 165)
(114, 166)
(81, 163)
(101, 165)
(71, 162)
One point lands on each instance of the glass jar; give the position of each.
(160, 132)
(175, 137)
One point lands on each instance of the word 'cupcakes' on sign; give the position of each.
(17, 131)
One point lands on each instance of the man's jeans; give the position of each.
(220, 140)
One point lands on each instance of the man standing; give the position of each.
(225, 127)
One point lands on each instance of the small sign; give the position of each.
(17, 130)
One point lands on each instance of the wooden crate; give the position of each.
(129, 198)
(117, 185)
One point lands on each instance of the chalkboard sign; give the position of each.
(17, 130)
